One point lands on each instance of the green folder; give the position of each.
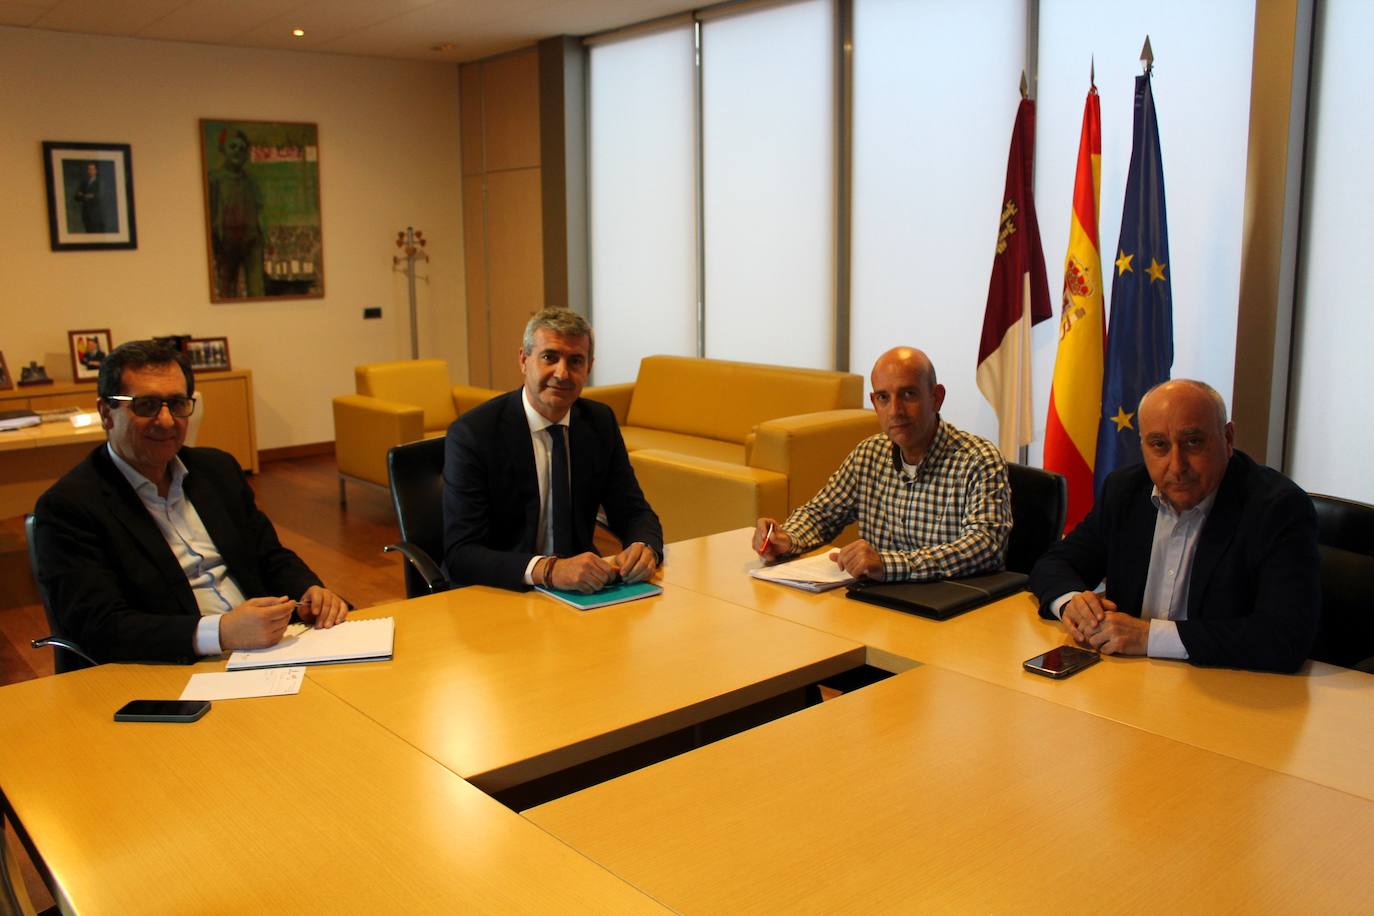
(617, 593)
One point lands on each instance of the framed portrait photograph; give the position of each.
(88, 349)
(208, 354)
(262, 209)
(90, 195)
(6, 380)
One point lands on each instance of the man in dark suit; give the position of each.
(1206, 555)
(152, 551)
(525, 473)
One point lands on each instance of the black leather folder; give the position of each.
(942, 598)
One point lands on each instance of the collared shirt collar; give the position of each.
(1163, 505)
(141, 483)
(538, 422)
(939, 443)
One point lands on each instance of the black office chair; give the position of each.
(1345, 540)
(1039, 504)
(66, 655)
(416, 472)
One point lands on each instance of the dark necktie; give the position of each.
(560, 494)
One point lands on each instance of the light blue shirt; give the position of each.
(181, 527)
(1165, 601)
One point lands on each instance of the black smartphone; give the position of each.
(162, 710)
(1061, 661)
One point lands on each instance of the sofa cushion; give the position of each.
(424, 383)
(718, 399)
(638, 438)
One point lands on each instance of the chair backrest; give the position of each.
(1345, 540)
(1039, 504)
(416, 471)
(424, 383)
(62, 659)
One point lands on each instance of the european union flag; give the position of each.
(1140, 337)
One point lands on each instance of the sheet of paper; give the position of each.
(817, 569)
(236, 685)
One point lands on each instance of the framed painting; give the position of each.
(88, 350)
(6, 381)
(262, 209)
(208, 354)
(90, 195)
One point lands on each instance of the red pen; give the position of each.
(767, 536)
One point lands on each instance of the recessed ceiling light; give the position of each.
(299, 33)
(444, 46)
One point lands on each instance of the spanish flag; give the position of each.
(1076, 392)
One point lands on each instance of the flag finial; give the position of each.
(1147, 57)
(1024, 85)
(1092, 72)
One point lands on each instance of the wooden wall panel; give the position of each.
(510, 97)
(515, 265)
(470, 117)
(475, 282)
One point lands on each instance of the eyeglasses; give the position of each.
(150, 405)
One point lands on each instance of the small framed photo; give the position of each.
(6, 380)
(88, 349)
(208, 354)
(90, 195)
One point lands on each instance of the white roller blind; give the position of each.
(1330, 437)
(935, 92)
(768, 99)
(643, 201)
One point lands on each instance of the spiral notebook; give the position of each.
(350, 641)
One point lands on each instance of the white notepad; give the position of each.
(350, 641)
(816, 573)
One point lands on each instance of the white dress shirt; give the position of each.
(215, 590)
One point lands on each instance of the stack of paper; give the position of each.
(816, 573)
(350, 641)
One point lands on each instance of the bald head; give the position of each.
(1186, 440)
(907, 399)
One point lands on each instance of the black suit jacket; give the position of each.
(491, 491)
(1254, 597)
(114, 584)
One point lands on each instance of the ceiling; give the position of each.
(408, 29)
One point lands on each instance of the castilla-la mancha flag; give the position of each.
(1018, 296)
(1076, 392)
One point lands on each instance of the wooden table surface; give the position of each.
(503, 687)
(33, 458)
(933, 791)
(1318, 725)
(272, 805)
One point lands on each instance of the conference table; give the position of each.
(959, 783)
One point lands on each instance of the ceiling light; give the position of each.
(299, 33)
(444, 47)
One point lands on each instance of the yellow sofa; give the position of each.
(396, 402)
(716, 444)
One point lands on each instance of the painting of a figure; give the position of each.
(90, 195)
(262, 209)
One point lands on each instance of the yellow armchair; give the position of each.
(395, 403)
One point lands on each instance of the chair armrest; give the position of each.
(466, 397)
(61, 643)
(365, 427)
(809, 447)
(422, 564)
(617, 397)
(698, 496)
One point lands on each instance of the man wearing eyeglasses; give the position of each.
(154, 551)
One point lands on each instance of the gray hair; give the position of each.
(559, 321)
(140, 354)
(1218, 403)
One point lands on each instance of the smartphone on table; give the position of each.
(1061, 661)
(162, 710)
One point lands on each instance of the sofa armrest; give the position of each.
(617, 397)
(806, 449)
(466, 397)
(364, 428)
(698, 496)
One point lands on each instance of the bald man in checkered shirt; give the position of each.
(931, 500)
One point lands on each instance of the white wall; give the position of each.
(389, 158)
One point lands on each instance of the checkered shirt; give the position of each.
(951, 519)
